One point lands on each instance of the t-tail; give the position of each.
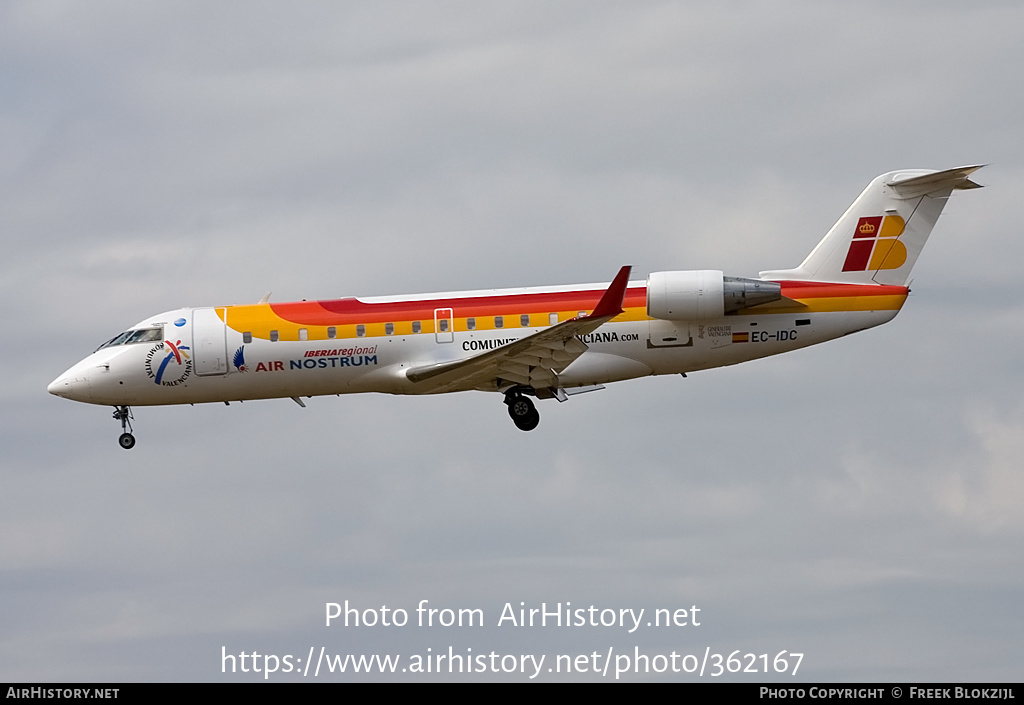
(878, 239)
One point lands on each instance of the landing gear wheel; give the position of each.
(523, 413)
(520, 407)
(529, 423)
(124, 415)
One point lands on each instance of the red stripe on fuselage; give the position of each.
(342, 311)
(814, 290)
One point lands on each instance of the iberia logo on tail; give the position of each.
(876, 244)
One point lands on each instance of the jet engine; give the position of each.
(704, 294)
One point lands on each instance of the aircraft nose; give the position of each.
(70, 387)
(56, 387)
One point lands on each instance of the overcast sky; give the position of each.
(858, 502)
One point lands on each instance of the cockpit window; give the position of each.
(141, 335)
(146, 335)
(118, 340)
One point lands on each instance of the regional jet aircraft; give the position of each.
(540, 342)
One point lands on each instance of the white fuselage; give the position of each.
(200, 358)
(544, 342)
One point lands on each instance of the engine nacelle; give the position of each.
(704, 294)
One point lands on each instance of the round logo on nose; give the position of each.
(168, 364)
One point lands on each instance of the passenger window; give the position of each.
(552, 319)
(443, 324)
(524, 320)
(470, 324)
(247, 337)
(499, 321)
(416, 327)
(274, 336)
(389, 329)
(361, 330)
(332, 332)
(303, 334)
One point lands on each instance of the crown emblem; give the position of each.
(867, 228)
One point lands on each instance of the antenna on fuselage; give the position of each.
(265, 299)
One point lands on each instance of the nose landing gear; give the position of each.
(124, 415)
(524, 414)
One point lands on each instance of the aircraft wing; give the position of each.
(534, 361)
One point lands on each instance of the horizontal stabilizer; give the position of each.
(913, 186)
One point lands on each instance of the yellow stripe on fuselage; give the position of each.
(260, 320)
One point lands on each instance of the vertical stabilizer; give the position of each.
(878, 239)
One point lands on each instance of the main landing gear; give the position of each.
(524, 414)
(124, 415)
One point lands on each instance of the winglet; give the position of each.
(611, 303)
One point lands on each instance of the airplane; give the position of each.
(542, 342)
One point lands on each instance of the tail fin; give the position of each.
(878, 239)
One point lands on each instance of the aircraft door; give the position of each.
(444, 325)
(669, 334)
(685, 339)
(209, 342)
